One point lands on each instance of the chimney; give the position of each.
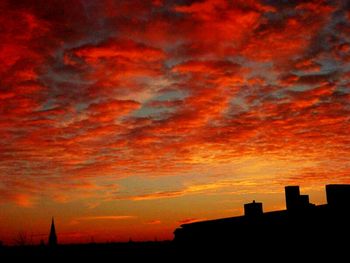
(253, 209)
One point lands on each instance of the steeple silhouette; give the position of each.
(52, 236)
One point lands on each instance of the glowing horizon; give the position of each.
(124, 119)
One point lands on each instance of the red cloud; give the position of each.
(217, 27)
(110, 110)
(308, 66)
(114, 89)
(126, 49)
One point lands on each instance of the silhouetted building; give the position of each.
(295, 201)
(300, 226)
(338, 195)
(304, 201)
(52, 237)
(253, 209)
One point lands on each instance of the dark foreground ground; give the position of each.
(153, 251)
(168, 251)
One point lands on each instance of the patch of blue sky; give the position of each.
(160, 112)
(150, 112)
(261, 70)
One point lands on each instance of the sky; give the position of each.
(124, 119)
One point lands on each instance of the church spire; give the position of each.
(52, 236)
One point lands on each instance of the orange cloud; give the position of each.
(105, 218)
(188, 190)
(154, 222)
(190, 220)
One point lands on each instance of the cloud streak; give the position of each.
(119, 217)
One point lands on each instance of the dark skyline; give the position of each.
(127, 118)
(301, 222)
(303, 230)
(52, 241)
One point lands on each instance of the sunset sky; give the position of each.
(126, 118)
